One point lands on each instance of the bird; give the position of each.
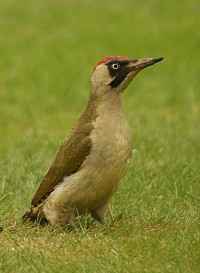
(93, 159)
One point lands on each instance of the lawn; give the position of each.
(48, 50)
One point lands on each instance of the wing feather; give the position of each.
(70, 156)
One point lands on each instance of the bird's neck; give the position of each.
(109, 101)
(109, 107)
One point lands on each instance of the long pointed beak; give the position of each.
(143, 63)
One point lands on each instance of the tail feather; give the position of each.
(29, 216)
(34, 214)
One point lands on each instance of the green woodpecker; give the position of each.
(91, 162)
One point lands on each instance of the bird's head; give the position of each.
(116, 72)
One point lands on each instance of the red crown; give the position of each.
(109, 59)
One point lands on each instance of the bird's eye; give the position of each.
(115, 66)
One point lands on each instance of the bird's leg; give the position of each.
(71, 219)
(100, 213)
(110, 211)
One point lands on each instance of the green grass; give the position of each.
(48, 50)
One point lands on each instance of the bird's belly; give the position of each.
(99, 176)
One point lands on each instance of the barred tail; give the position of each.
(34, 214)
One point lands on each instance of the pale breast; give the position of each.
(101, 172)
(112, 147)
